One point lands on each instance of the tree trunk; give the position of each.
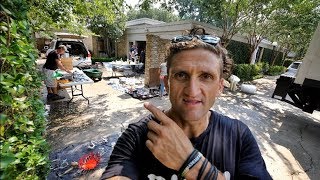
(253, 56)
(275, 57)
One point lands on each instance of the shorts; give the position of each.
(49, 80)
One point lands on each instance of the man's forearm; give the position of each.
(60, 66)
(194, 171)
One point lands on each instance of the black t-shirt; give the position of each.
(227, 143)
(51, 61)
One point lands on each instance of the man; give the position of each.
(163, 73)
(189, 140)
(53, 63)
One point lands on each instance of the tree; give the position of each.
(78, 16)
(153, 13)
(191, 9)
(226, 14)
(290, 23)
(23, 149)
(256, 25)
(294, 25)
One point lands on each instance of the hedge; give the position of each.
(239, 52)
(249, 72)
(23, 149)
(268, 55)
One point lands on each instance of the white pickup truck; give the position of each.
(303, 89)
(76, 48)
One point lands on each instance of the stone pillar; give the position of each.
(122, 46)
(155, 55)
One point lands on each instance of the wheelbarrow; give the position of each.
(94, 74)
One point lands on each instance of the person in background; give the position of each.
(163, 73)
(142, 56)
(133, 52)
(142, 60)
(52, 63)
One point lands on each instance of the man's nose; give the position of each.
(192, 88)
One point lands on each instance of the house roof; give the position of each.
(143, 21)
(172, 29)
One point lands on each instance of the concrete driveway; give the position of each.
(288, 138)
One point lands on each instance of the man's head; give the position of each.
(195, 68)
(61, 49)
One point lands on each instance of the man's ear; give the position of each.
(221, 85)
(166, 82)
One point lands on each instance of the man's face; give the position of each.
(193, 83)
(61, 51)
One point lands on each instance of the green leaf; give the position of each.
(3, 39)
(6, 83)
(13, 139)
(3, 118)
(10, 58)
(5, 10)
(2, 131)
(3, 28)
(6, 160)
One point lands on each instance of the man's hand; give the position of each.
(68, 71)
(166, 140)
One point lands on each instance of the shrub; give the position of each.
(248, 72)
(276, 70)
(23, 149)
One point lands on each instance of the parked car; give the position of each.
(76, 49)
(44, 49)
(292, 69)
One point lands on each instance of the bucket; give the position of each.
(248, 88)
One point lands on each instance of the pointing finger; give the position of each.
(157, 113)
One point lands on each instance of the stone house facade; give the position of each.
(153, 36)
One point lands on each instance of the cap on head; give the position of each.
(63, 47)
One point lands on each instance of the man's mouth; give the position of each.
(192, 101)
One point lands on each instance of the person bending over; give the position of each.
(52, 63)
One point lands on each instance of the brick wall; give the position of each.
(95, 46)
(155, 55)
(122, 46)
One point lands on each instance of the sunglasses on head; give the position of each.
(212, 40)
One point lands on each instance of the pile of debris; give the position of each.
(77, 160)
(134, 87)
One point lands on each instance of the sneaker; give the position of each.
(57, 97)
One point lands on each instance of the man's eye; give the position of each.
(181, 76)
(206, 77)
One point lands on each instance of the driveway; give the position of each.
(288, 138)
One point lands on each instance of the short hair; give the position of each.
(63, 47)
(177, 47)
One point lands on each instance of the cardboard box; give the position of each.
(67, 63)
